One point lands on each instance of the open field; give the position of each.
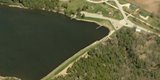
(149, 5)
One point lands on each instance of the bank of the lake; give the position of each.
(28, 8)
(61, 70)
(35, 42)
(8, 78)
(108, 26)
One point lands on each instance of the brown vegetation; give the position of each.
(150, 5)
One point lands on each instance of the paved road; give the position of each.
(97, 2)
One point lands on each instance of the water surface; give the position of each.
(33, 43)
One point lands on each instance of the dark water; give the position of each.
(33, 43)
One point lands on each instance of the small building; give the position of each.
(138, 30)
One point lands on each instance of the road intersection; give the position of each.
(118, 23)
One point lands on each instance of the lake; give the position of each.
(34, 42)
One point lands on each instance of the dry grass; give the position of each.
(150, 5)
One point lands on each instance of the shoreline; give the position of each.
(92, 21)
(70, 61)
(64, 71)
(10, 78)
(54, 11)
(83, 53)
(27, 8)
(13, 6)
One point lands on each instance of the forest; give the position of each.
(128, 55)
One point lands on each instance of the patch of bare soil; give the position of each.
(150, 5)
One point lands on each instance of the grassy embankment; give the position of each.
(72, 59)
